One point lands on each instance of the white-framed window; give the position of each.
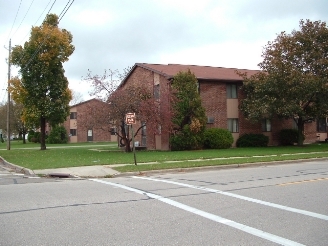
(233, 125)
(73, 115)
(266, 125)
(72, 132)
(232, 91)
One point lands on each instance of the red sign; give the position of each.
(130, 118)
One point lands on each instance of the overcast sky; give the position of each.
(115, 34)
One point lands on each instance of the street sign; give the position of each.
(130, 118)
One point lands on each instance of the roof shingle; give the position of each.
(201, 72)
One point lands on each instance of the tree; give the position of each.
(43, 88)
(189, 119)
(16, 123)
(135, 98)
(293, 83)
(77, 97)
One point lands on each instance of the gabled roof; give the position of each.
(201, 72)
(93, 99)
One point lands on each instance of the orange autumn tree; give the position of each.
(43, 88)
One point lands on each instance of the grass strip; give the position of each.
(88, 154)
(192, 164)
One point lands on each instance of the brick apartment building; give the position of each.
(80, 131)
(220, 94)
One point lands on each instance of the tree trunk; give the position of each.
(24, 140)
(43, 133)
(127, 145)
(300, 128)
(125, 137)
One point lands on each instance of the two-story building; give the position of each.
(82, 125)
(220, 92)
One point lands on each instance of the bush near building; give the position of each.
(288, 137)
(253, 140)
(58, 135)
(217, 138)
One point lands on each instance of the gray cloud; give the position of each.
(118, 33)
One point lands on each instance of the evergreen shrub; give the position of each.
(30, 135)
(288, 137)
(186, 140)
(58, 135)
(217, 138)
(252, 140)
(36, 137)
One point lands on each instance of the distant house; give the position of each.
(81, 129)
(221, 96)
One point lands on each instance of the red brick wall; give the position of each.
(141, 76)
(310, 132)
(214, 100)
(99, 135)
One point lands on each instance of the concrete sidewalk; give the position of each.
(84, 171)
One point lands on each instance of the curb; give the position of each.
(218, 167)
(16, 168)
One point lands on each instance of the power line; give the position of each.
(66, 9)
(15, 19)
(23, 18)
(41, 44)
(36, 20)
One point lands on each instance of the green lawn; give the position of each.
(85, 154)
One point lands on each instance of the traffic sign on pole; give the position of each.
(130, 118)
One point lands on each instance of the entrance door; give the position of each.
(90, 135)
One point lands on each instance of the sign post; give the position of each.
(130, 118)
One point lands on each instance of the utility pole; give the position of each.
(8, 102)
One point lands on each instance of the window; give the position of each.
(156, 91)
(232, 91)
(113, 131)
(143, 129)
(233, 125)
(143, 134)
(73, 115)
(72, 132)
(321, 125)
(266, 125)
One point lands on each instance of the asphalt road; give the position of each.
(268, 205)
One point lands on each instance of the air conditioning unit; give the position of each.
(210, 120)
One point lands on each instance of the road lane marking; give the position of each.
(303, 181)
(274, 205)
(213, 217)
